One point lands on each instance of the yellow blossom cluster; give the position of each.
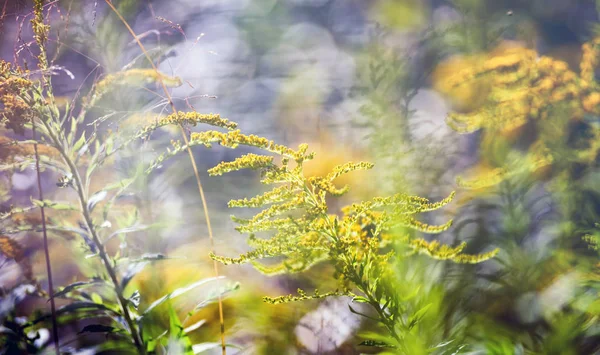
(11, 249)
(9, 149)
(302, 296)
(187, 118)
(277, 194)
(40, 31)
(235, 138)
(444, 252)
(326, 183)
(248, 161)
(15, 112)
(520, 87)
(309, 234)
(512, 88)
(296, 218)
(589, 59)
(194, 118)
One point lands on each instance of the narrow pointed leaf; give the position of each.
(179, 292)
(97, 197)
(98, 328)
(77, 285)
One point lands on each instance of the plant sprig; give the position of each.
(303, 232)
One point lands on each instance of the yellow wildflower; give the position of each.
(248, 161)
(590, 102)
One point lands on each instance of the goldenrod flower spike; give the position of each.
(277, 194)
(14, 85)
(234, 138)
(443, 252)
(303, 296)
(513, 86)
(589, 59)
(248, 161)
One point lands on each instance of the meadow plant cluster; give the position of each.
(304, 232)
(415, 292)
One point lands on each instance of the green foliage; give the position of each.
(179, 342)
(537, 200)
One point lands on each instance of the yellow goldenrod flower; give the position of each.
(248, 161)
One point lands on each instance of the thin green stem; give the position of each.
(80, 189)
(194, 167)
(46, 249)
(362, 286)
(83, 202)
(40, 35)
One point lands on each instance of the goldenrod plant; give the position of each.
(302, 231)
(534, 117)
(370, 236)
(519, 89)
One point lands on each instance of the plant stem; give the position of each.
(43, 64)
(46, 250)
(362, 286)
(383, 317)
(79, 187)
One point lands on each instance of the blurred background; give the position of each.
(371, 80)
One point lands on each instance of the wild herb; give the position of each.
(415, 282)
(303, 232)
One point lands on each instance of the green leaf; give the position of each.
(151, 257)
(136, 228)
(137, 265)
(79, 144)
(81, 306)
(76, 285)
(194, 326)
(179, 292)
(360, 299)
(122, 185)
(97, 298)
(151, 342)
(179, 342)
(98, 328)
(411, 295)
(362, 314)
(108, 145)
(118, 184)
(97, 197)
(86, 308)
(72, 131)
(54, 205)
(417, 316)
(93, 165)
(379, 338)
(214, 296)
(135, 299)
